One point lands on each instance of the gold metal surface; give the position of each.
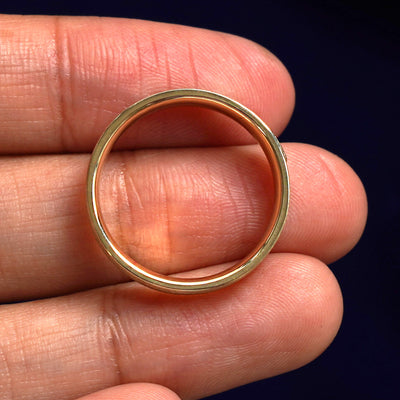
(254, 125)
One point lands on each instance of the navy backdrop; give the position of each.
(344, 60)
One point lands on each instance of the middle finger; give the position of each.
(172, 210)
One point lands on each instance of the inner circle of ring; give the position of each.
(254, 125)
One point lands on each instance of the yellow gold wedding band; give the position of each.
(254, 125)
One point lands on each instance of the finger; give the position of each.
(63, 79)
(171, 210)
(328, 205)
(278, 318)
(136, 391)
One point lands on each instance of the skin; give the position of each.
(191, 197)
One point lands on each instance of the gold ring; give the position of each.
(254, 125)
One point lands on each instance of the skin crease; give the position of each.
(186, 200)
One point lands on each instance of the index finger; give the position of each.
(63, 79)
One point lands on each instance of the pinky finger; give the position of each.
(137, 391)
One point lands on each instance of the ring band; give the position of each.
(254, 125)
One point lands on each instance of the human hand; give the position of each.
(74, 325)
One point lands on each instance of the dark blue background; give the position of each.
(344, 60)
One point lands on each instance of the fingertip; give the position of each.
(328, 198)
(321, 306)
(277, 84)
(265, 86)
(307, 307)
(134, 391)
(350, 201)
